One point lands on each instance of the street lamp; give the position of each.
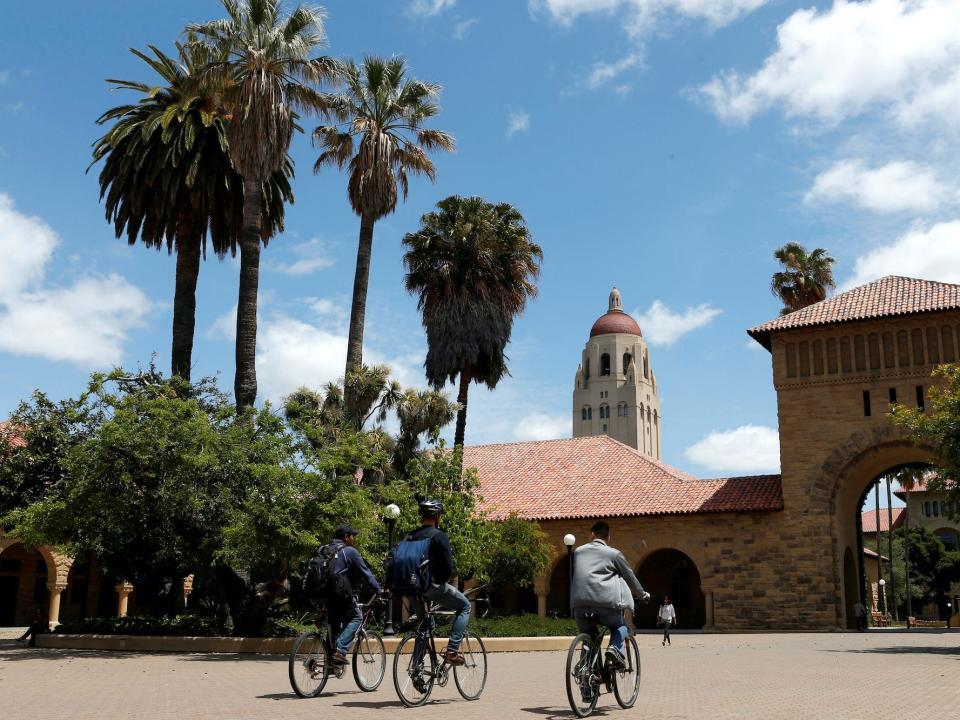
(949, 614)
(569, 540)
(390, 514)
(883, 597)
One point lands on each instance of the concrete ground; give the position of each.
(825, 676)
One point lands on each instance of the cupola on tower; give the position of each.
(615, 391)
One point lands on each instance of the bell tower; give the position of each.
(615, 391)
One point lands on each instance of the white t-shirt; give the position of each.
(667, 613)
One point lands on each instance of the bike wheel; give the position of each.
(369, 660)
(471, 677)
(583, 687)
(626, 683)
(413, 671)
(309, 665)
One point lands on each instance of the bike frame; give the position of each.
(366, 611)
(427, 636)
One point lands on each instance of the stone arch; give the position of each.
(851, 587)
(558, 587)
(673, 572)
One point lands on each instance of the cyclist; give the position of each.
(602, 587)
(439, 590)
(345, 618)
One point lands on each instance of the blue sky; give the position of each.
(663, 146)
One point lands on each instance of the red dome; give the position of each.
(615, 321)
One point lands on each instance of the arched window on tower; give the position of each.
(605, 364)
(627, 358)
(646, 365)
(626, 410)
(586, 413)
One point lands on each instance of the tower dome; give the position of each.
(615, 320)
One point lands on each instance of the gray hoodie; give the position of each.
(603, 578)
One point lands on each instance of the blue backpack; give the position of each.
(410, 569)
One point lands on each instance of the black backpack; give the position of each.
(322, 583)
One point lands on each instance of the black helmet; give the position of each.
(430, 508)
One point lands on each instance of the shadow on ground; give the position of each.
(903, 650)
(556, 713)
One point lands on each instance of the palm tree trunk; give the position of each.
(358, 310)
(185, 307)
(458, 438)
(245, 380)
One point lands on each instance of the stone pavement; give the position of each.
(823, 676)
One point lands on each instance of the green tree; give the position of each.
(379, 135)
(939, 428)
(266, 66)
(932, 567)
(519, 552)
(473, 266)
(805, 278)
(167, 178)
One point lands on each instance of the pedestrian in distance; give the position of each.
(37, 626)
(860, 613)
(666, 616)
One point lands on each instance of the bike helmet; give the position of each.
(430, 508)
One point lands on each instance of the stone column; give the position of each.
(187, 589)
(708, 607)
(53, 614)
(541, 586)
(123, 594)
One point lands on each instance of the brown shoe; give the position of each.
(340, 659)
(453, 657)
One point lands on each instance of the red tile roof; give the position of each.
(868, 520)
(10, 436)
(887, 297)
(600, 477)
(615, 321)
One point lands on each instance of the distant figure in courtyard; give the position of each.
(602, 586)
(860, 613)
(39, 625)
(666, 616)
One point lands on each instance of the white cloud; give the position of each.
(86, 323)
(894, 187)
(541, 426)
(639, 16)
(517, 122)
(461, 29)
(747, 449)
(928, 253)
(429, 8)
(899, 55)
(308, 257)
(603, 72)
(663, 326)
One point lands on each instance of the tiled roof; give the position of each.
(600, 477)
(869, 520)
(615, 321)
(10, 436)
(887, 297)
(873, 553)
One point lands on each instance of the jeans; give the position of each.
(448, 597)
(345, 627)
(666, 631)
(610, 617)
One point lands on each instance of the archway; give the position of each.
(558, 602)
(672, 572)
(851, 589)
(23, 584)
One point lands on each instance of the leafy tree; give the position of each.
(473, 265)
(939, 428)
(932, 567)
(167, 178)
(519, 552)
(265, 66)
(384, 111)
(805, 278)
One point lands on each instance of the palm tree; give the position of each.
(472, 265)
(266, 70)
(167, 179)
(805, 278)
(384, 111)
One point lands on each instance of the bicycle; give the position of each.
(417, 668)
(587, 672)
(311, 659)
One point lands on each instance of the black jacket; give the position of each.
(441, 556)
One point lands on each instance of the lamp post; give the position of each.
(569, 540)
(883, 598)
(949, 614)
(390, 514)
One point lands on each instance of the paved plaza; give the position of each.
(878, 674)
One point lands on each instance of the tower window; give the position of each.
(627, 358)
(604, 427)
(646, 366)
(586, 413)
(893, 395)
(926, 509)
(866, 403)
(920, 402)
(605, 364)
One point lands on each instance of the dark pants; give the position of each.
(666, 631)
(861, 622)
(32, 633)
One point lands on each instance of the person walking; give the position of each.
(667, 616)
(860, 613)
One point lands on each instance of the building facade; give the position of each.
(615, 390)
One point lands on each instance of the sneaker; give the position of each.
(340, 658)
(453, 657)
(615, 658)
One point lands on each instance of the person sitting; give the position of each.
(39, 625)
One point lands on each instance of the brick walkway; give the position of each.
(873, 675)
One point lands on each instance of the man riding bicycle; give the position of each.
(602, 587)
(441, 569)
(345, 618)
